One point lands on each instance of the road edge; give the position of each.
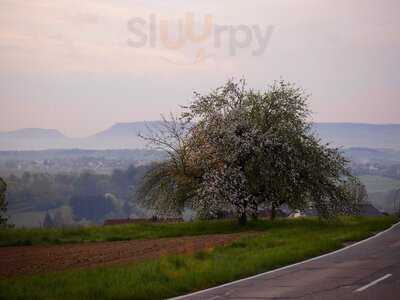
(288, 266)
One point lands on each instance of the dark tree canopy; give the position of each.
(3, 203)
(243, 148)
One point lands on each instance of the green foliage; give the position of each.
(169, 185)
(164, 189)
(283, 242)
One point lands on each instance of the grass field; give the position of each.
(40, 236)
(282, 242)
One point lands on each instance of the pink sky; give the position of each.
(66, 64)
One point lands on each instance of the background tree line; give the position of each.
(89, 196)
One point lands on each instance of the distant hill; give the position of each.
(37, 133)
(125, 136)
(126, 130)
(33, 139)
(119, 136)
(360, 135)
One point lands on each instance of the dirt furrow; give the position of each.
(27, 260)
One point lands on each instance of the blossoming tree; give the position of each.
(235, 149)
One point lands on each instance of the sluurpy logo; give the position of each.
(202, 40)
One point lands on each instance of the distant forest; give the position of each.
(84, 197)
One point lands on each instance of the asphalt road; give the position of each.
(367, 270)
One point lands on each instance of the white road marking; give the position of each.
(373, 283)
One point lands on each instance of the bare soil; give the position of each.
(28, 260)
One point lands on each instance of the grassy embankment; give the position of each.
(282, 242)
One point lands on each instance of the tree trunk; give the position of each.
(243, 219)
(273, 212)
(254, 214)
